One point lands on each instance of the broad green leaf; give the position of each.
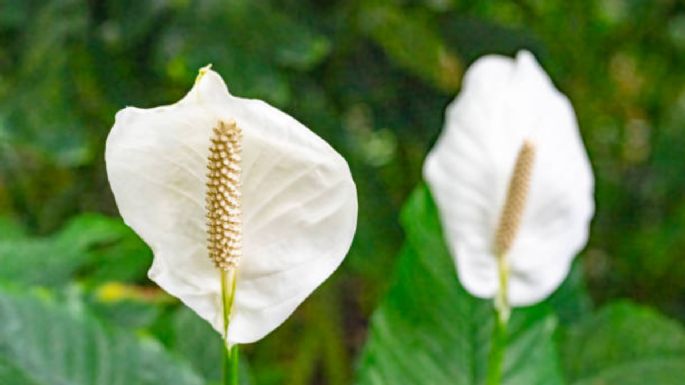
(128, 313)
(45, 343)
(116, 253)
(8, 370)
(91, 240)
(429, 330)
(625, 344)
(39, 261)
(197, 342)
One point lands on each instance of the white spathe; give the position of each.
(502, 103)
(299, 204)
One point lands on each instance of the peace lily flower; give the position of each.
(512, 182)
(246, 210)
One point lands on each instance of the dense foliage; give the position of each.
(372, 78)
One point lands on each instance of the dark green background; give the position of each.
(373, 79)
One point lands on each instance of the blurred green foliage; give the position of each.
(370, 77)
(429, 330)
(46, 343)
(624, 344)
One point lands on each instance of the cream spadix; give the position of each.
(216, 182)
(509, 109)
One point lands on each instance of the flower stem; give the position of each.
(499, 333)
(230, 356)
(497, 349)
(231, 366)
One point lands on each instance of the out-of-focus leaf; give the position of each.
(571, 301)
(411, 43)
(258, 45)
(14, 12)
(129, 20)
(291, 44)
(128, 314)
(87, 240)
(429, 330)
(9, 229)
(475, 37)
(9, 370)
(43, 343)
(195, 341)
(123, 256)
(186, 49)
(41, 117)
(39, 261)
(89, 229)
(625, 344)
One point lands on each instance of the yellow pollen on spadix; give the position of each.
(515, 202)
(224, 226)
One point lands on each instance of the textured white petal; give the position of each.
(298, 199)
(504, 102)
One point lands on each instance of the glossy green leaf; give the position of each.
(625, 344)
(429, 330)
(45, 343)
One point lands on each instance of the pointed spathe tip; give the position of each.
(202, 72)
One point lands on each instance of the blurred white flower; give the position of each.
(514, 236)
(280, 211)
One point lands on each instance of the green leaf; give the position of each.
(43, 342)
(128, 313)
(429, 330)
(89, 240)
(39, 261)
(9, 229)
(625, 344)
(571, 301)
(195, 341)
(115, 252)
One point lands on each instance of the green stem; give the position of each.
(497, 350)
(499, 333)
(230, 356)
(230, 366)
